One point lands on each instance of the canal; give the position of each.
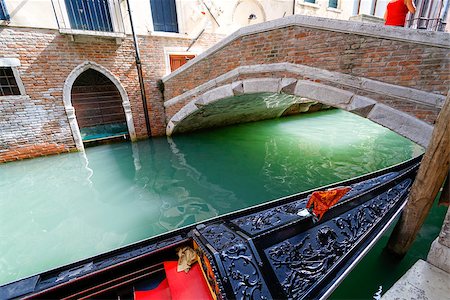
(60, 209)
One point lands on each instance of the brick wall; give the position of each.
(30, 128)
(38, 120)
(403, 63)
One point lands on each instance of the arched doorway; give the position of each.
(97, 105)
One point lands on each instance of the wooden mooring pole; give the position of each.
(430, 177)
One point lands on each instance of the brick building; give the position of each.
(68, 70)
(71, 77)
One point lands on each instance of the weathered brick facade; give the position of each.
(395, 77)
(38, 120)
(31, 127)
(36, 124)
(409, 64)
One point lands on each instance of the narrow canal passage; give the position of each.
(60, 209)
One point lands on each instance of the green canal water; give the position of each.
(61, 209)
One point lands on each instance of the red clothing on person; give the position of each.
(396, 13)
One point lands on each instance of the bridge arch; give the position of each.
(400, 74)
(214, 107)
(70, 111)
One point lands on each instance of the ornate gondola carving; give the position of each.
(257, 223)
(302, 261)
(209, 270)
(240, 265)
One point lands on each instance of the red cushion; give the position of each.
(191, 285)
(161, 292)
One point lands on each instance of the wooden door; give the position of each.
(177, 61)
(98, 106)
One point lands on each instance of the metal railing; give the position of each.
(429, 15)
(89, 17)
(427, 24)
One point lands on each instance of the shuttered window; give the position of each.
(310, 1)
(8, 84)
(164, 14)
(3, 12)
(89, 15)
(333, 3)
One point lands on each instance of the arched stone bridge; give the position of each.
(394, 76)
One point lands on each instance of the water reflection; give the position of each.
(72, 206)
(89, 171)
(180, 189)
(292, 154)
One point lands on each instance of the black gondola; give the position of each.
(274, 250)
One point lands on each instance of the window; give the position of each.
(424, 9)
(8, 83)
(3, 12)
(333, 3)
(424, 15)
(310, 1)
(89, 15)
(177, 61)
(164, 14)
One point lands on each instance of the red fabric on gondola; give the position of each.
(191, 285)
(161, 292)
(321, 201)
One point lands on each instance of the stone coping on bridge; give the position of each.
(401, 92)
(431, 38)
(400, 122)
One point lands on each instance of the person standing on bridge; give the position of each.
(397, 10)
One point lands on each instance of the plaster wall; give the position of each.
(35, 13)
(344, 10)
(193, 15)
(213, 16)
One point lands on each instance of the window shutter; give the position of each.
(164, 14)
(3, 12)
(333, 3)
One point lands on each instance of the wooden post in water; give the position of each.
(432, 172)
